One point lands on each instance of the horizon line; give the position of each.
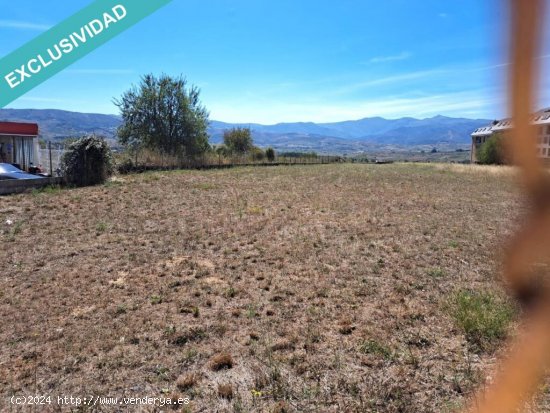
(273, 124)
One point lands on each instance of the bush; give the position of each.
(270, 154)
(238, 140)
(483, 317)
(257, 154)
(88, 161)
(492, 151)
(126, 166)
(222, 150)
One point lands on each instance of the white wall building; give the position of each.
(540, 118)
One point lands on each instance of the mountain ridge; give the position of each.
(350, 135)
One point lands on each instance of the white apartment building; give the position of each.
(541, 119)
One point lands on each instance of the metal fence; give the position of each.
(213, 161)
(50, 157)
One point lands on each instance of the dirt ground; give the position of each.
(308, 288)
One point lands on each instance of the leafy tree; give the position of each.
(238, 140)
(87, 161)
(164, 115)
(492, 151)
(270, 154)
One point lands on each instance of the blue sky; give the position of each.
(271, 61)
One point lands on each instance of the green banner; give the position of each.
(64, 44)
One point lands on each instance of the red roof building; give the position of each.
(19, 144)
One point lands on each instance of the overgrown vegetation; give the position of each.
(87, 161)
(492, 152)
(482, 316)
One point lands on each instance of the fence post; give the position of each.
(50, 151)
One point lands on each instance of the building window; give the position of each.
(540, 130)
(548, 129)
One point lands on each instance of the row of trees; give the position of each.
(163, 115)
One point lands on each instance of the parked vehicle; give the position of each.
(37, 170)
(8, 172)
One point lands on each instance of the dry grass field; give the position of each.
(330, 288)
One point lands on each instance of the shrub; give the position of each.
(88, 161)
(483, 317)
(492, 151)
(125, 166)
(257, 154)
(270, 154)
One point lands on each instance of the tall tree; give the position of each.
(165, 115)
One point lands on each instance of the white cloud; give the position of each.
(476, 103)
(41, 99)
(22, 25)
(394, 79)
(47, 102)
(392, 58)
(108, 72)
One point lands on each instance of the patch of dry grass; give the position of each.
(326, 284)
(481, 170)
(225, 391)
(221, 361)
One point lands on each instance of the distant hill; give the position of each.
(337, 137)
(60, 124)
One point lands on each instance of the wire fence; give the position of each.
(49, 157)
(152, 161)
(528, 359)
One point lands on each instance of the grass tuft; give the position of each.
(483, 317)
(436, 272)
(376, 348)
(225, 391)
(187, 381)
(221, 361)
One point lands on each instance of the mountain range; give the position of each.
(337, 137)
